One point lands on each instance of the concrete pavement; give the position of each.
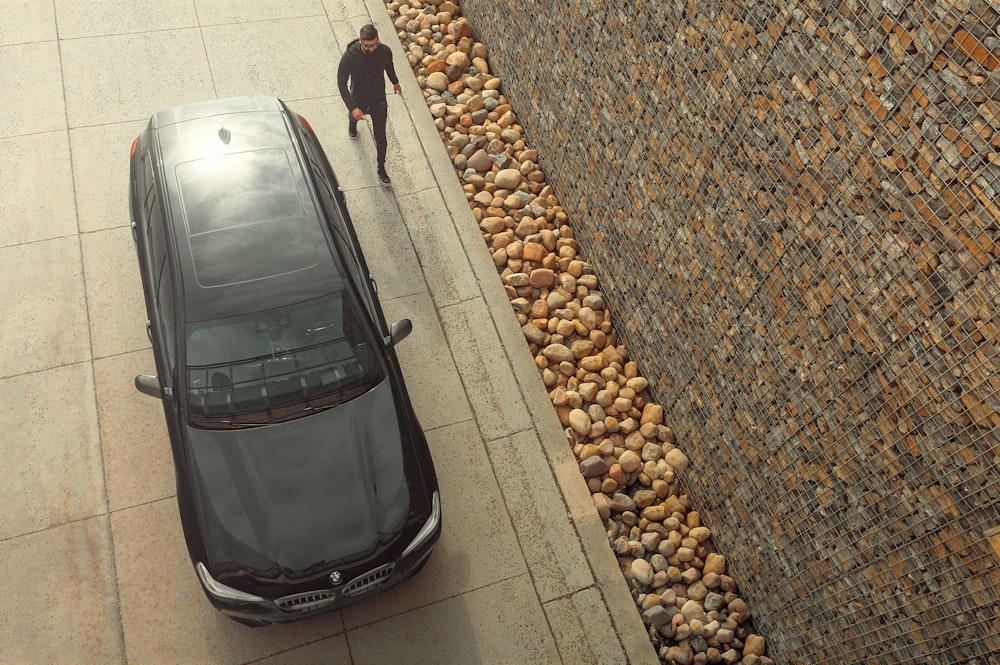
(93, 567)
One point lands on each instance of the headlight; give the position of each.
(429, 527)
(223, 592)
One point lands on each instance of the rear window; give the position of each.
(238, 209)
(279, 364)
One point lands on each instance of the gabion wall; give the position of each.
(794, 211)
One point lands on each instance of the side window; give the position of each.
(156, 234)
(165, 308)
(351, 256)
(160, 273)
(326, 183)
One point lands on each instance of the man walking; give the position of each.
(362, 88)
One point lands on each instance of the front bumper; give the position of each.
(304, 605)
(310, 604)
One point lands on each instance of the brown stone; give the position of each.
(480, 161)
(533, 252)
(753, 645)
(437, 66)
(715, 563)
(652, 413)
(460, 28)
(541, 278)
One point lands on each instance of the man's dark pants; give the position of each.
(378, 110)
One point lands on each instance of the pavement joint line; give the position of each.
(342, 632)
(141, 504)
(49, 368)
(432, 603)
(451, 424)
(55, 525)
(105, 498)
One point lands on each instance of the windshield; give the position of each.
(279, 364)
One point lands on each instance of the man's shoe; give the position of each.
(383, 178)
(352, 131)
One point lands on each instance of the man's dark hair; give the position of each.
(368, 32)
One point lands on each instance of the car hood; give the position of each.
(279, 499)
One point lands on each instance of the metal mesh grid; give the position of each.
(793, 210)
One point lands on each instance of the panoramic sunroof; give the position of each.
(244, 217)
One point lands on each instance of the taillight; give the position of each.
(305, 122)
(131, 151)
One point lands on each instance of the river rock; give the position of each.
(629, 461)
(642, 572)
(458, 59)
(480, 160)
(753, 645)
(557, 353)
(714, 563)
(541, 278)
(507, 179)
(580, 422)
(437, 81)
(593, 467)
(657, 615)
(692, 609)
(676, 459)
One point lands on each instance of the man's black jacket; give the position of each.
(365, 73)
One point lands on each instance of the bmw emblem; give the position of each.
(336, 578)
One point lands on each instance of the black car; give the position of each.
(304, 480)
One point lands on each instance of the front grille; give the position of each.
(306, 601)
(364, 583)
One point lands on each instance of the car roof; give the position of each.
(248, 234)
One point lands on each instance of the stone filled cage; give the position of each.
(794, 211)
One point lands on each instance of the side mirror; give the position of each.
(398, 331)
(148, 385)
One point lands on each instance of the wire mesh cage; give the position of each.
(798, 208)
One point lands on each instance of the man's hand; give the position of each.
(396, 89)
(357, 114)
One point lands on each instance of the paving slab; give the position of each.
(117, 78)
(59, 598)
(100, 179)
(36, 188)
(240, 11)
(582, 629)
(379, 228)
(134, 443)
(494, 625)
(554, 554)
(327, 651)
(114, 17)
(117, 315)
(445, 264)
(485, 372)
(43, 312)
(289, 57)
(24, 21)
(59, 478)
(427, 364)
(31, 78)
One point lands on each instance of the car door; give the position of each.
(334, 205)
(142, 192)
(151, 249)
